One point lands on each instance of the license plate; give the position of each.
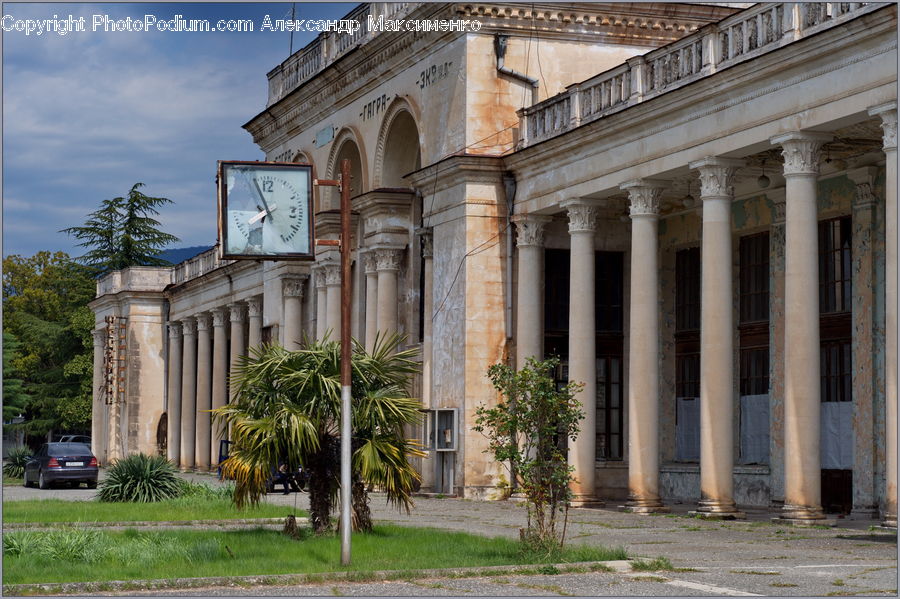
(75, 464)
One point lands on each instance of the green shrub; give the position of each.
(20, 543)
(140, 478)
(15, 462)
(67, 545)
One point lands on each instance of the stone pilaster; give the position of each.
(219, 378)
(98, 405)
(643, 349)
(776, 347)
(333, 299)
(321, 303)
(174, 384)
(204, 391)
(717, 340)
(802, 485)
(371, 271)
(188, 395)
(583, 344)
(238, 346)
(888, 114)
(292, 288)
(529, 292)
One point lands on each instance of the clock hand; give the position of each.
(261, 197)
(262, 214)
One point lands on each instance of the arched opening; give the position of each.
(402, 154)
(350, 151)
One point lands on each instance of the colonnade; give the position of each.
(200, 355)
(801, 356)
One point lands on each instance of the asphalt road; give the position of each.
(741, 558)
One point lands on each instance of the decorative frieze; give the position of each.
(530, 229)
(582, 215)
(388, 259)
(644, 196)
(293, 286)
(801, 151)
(888, 114)
(717, 176)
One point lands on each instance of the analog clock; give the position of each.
(265, 210)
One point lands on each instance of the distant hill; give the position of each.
(176, 255)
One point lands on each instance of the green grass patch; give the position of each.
(48, 511)
(654, 565)
(36, 557)
(13, 481)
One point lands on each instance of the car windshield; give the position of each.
(57, 449)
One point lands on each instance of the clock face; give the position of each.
(264, 210)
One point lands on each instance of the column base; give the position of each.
(801, 512)
(645, 506)
(712, 509)
(890, 521)
(587, 501)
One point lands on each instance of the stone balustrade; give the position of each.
(742, 36)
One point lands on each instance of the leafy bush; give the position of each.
(15, 463)
(20, 543)
(140, 478)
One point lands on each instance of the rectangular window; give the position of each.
(687, 290)
(687, 375)
(835, 375)
(609, 407)
(754, 278)
(755, 371)
(834, 265)
(608, 289)
(556, 291)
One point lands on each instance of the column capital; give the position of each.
(332, 273)
(582, 215)
(174, 328)
(254, 306)
(319, 274)
(388, 258)
(203, 321)
(777, 197)
(717, 176)
(370, 263)
(888, 114)
(865, 182)
(426, 235)
(236, 312)
(190, 327)
(644, 195)
(801, 151)
(530, 229)
(99, 336)
(220, 316)
(293, 286)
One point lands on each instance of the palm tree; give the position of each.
(287, 408)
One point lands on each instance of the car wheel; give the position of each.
(91, 484)
(25, 479)
(41, 482)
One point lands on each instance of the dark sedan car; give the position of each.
(62, 462)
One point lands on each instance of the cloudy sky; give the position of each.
(88, 114)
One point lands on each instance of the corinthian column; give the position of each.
(204, 392)
(237, 348)
(388, 265)
(717, 340)
(802, 485)
(321, 304)
(173, 411)
(371, 270)
(98, 412)
(188, 395)
(219, 379)
(292, 288)
(643, 348)
(583, 343)
(529, 292)
(888, 114)
(333, 299)
(254, 311)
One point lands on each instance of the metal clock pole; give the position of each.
(346, 430)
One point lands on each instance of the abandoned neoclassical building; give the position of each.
(693, 206)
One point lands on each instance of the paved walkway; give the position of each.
(752, 557)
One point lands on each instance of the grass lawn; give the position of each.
(18, 482)
(187, 508)
(81, 556)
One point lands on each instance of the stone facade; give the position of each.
(496, 220)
